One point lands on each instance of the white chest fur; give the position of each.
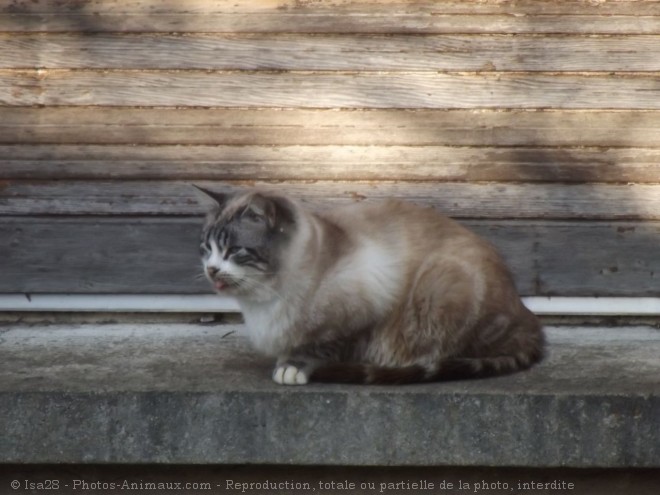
(361, 288)
(266, 325)
(374, 273)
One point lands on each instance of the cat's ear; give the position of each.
(272, 210)
(215, 198)
(258, 210)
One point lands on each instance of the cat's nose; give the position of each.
(212, 271)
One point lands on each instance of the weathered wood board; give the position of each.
(461, 200)
(147, 255)
(293, 126)
(331, 52)
(328, 90)
(382, 23)
(338, 162)
(337, 7)
(535, 121)
(543, 16)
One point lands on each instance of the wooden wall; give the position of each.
(536, 122)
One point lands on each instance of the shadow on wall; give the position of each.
(609, 243)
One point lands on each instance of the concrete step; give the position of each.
(196, 394)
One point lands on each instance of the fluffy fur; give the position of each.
(369, 293)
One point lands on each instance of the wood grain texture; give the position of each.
(535, 121)
(338, 17)
(160, 256)
(328, 90)
(598, 256)
(92, 256)
(541, 7)
(343, 53)
(382, 22)
(263, 126)
(441, 163)
(463, 200)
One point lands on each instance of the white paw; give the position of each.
(287, 374)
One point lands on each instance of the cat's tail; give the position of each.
(451, 369)
(486, 367)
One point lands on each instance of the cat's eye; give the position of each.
(233, 250)
(204, 248)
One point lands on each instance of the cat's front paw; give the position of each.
(288, 374)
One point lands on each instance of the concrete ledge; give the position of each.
(192, 394)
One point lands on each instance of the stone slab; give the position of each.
(196, 394)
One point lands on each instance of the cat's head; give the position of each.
(244, 239)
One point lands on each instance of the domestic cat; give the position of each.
(374, 292)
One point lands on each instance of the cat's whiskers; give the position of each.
(247, 282)
(251, 283)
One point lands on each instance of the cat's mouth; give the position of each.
(222, 285)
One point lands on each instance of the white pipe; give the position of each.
(597, 306)
(157, 303)
(127, 303)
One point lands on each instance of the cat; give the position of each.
(376, 293)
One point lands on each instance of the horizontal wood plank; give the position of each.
(544, 7)
(383, 22)
(463, 200)
(109, 256)
(598, 258)
(344, 53)
(263, 126)
(155, 255)
(426, 16)
(327, 90)
(442, 163)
